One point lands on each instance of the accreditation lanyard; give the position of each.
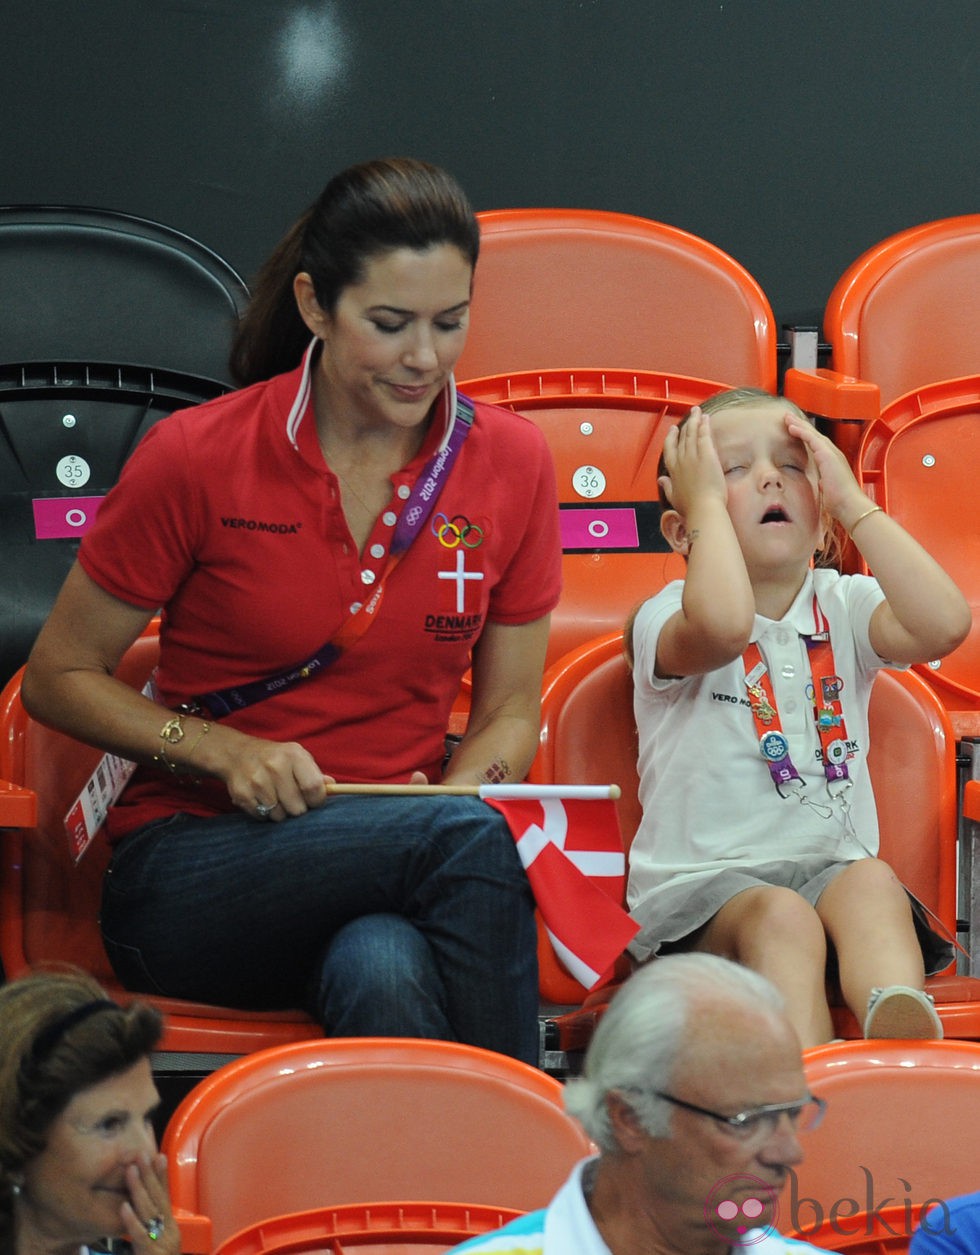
(825, 694)
(414, 515)
(411, 520)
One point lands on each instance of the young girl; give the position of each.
(752, 682)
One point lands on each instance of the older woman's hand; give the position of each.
(147, 1215)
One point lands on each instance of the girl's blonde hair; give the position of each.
(831, 552)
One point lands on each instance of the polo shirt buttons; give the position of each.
(368, 577)
(377, 551)
(389, 518)
(404, 491)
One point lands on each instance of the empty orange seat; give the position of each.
(900, 1130)
(902, 316)
(369, 1228)
(348, 1120)
(905, 313)
(574, 288)
(920, 461)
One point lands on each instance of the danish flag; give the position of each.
(572, 852)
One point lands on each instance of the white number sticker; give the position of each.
(589, 481)
(73, 471)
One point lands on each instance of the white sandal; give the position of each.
(900, 1011)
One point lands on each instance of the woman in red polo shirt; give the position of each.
(332, 545)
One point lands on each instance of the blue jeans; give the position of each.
(381, 916)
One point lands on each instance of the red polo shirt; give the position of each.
(227, 516)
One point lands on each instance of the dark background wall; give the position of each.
(793, 135)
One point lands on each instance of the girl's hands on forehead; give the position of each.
(840, 492)
(694, 470)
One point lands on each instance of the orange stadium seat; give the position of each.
(349, 1120)
(370, 1228)
(605, 429)
(577, 288)
(49, 895)
(588, 735)
(920, 461)
(880, 1230)
(903, 315)
(573, 311)
(900, 1132)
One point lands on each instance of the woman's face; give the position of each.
(393, 339)
(74, 1189)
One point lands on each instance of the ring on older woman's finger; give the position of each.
(154, 1228)
(262, 810)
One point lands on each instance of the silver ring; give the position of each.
(154, 1228)
(264, 811)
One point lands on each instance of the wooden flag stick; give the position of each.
(526, 792)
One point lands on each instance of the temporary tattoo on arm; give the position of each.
(497, 772)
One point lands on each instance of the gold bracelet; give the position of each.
(875, 509)
(172, 733)
(205, 729)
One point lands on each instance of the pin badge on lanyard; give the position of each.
(828, 717)
(773, 745)
(827, 712)
(824, 693)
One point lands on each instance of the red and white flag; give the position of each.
(572, 851)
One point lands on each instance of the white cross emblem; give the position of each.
(460, 575)
(554, 832)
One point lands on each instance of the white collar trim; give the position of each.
(301, 401)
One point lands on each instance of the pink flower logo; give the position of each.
(739, 1204)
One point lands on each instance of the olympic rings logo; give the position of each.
(456, 531)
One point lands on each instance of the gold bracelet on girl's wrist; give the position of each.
(875, 509)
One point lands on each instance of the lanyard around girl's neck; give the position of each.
(828, 714)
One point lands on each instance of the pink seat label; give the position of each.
(599, 529)
(56, 518)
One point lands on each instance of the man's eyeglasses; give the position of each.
(760, 1123)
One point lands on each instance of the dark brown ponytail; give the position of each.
(364, 211)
